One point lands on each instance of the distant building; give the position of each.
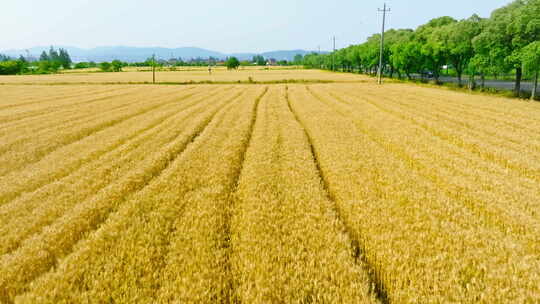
(271, 61)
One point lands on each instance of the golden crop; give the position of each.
(184, 75)
(318, 193)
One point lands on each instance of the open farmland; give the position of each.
(293, 193)
(185, 75)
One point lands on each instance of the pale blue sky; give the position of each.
(226, 26)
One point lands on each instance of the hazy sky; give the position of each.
(226, 26)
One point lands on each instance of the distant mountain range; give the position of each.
(137, 54)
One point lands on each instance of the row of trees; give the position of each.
(113, 66)
(11, 67)
(54, 60)
(49, 62)
(258, 60)
(234, 63)
(507, 42)
(261, 61)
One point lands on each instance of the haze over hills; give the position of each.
(135, 54)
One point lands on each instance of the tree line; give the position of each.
(229, 62)
(49, 62)
(53, 60)
(508, 42)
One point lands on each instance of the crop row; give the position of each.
(288, 242)
(428, 240)
(36, 255)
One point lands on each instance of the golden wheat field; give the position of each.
(278, 193)
(184, 75)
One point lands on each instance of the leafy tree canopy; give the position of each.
(232, 63)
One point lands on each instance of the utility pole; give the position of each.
(154, 68)
(384, 10)
(334, 54)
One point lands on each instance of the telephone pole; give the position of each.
(334, 53)
(384, 10)
(153, 68)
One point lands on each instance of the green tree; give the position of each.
(105, 66)
(369, 52)
(312, 61)
(479, 64)
(259, 60)
(44, 56)
(12, 67)
(81, 65)
(486, 60)
(435, 52)
(525, 29)
(64, 59)
(458, 39)
(116, 66)
(352, 56)
(393, 37)
(45, 66)
(298, 59)
(501, 41)
(53, 55)
(406, 57)
(55, 60)
(531, 61)
(472, 46)
(232, 63)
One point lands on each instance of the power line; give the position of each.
(384, 10)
